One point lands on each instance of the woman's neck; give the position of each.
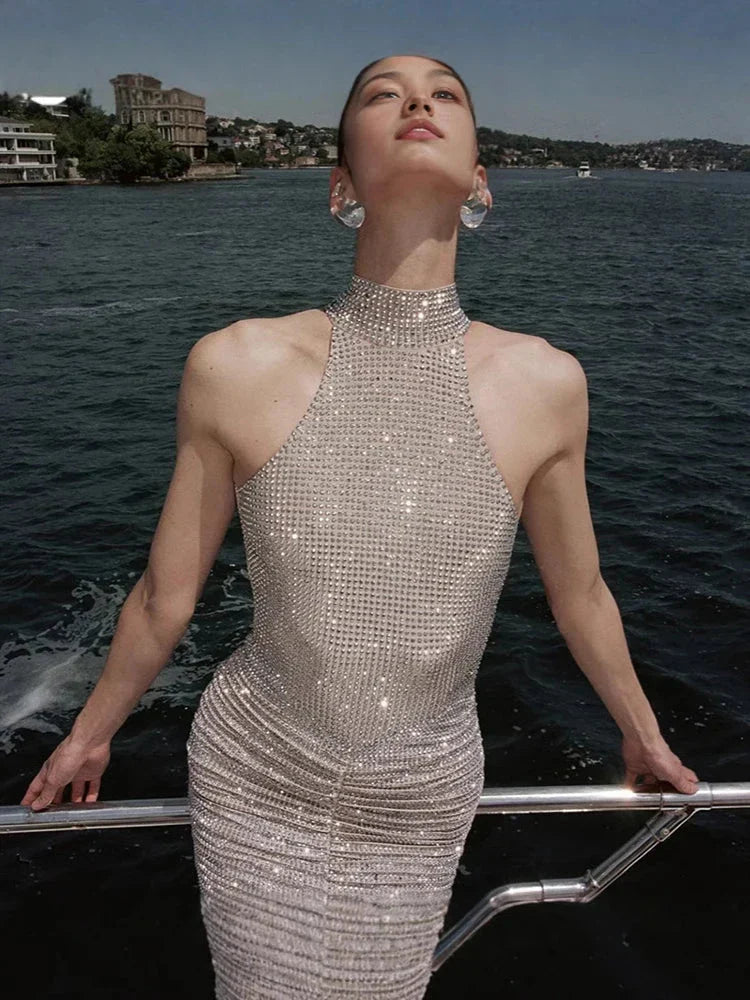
(421, 254)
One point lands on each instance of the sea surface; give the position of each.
(645, 278)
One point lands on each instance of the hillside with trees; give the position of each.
(110, 151)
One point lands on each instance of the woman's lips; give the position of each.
(419, 133)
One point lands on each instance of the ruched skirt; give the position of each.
(324, 874)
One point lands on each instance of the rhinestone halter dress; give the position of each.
(335, 759)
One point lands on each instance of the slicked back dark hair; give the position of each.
(358, 80)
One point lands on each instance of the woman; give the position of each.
(335, 759)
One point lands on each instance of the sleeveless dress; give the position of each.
(335, 760)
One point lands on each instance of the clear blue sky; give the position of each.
(622, 70)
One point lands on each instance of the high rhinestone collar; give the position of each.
(400, 317)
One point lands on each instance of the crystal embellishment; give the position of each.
(400, 317)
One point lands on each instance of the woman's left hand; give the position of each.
(655, 763)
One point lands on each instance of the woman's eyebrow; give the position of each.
(395, 73)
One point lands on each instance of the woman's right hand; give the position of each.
(655, 763)
(70, 763)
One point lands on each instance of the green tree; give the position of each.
(10, 107)
(74, 133)
(79, 103)
(178, 163)
(282, 127)
(134, 152)
(90, 159)
(250, 158)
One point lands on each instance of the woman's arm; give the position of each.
(557, 520)
(196, 514)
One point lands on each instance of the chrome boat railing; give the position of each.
(672, 810)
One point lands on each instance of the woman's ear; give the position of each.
(480, 179)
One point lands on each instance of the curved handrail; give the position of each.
(581, 889)
(673, 810)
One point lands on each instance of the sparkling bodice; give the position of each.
(378, 537)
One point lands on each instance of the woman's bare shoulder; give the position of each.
(254, 344)
(544, 365)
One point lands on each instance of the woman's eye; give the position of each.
(384, 93)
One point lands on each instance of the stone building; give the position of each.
(25, 155)
(179, 115)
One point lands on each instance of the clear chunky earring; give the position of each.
(474, 209)
(348, 212)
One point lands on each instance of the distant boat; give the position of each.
(583, 170)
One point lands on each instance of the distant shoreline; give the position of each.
(86, 182)
(149, 181)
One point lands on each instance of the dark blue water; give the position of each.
(645, 278)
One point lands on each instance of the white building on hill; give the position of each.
(25, 155)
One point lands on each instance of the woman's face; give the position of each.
(380, 162)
